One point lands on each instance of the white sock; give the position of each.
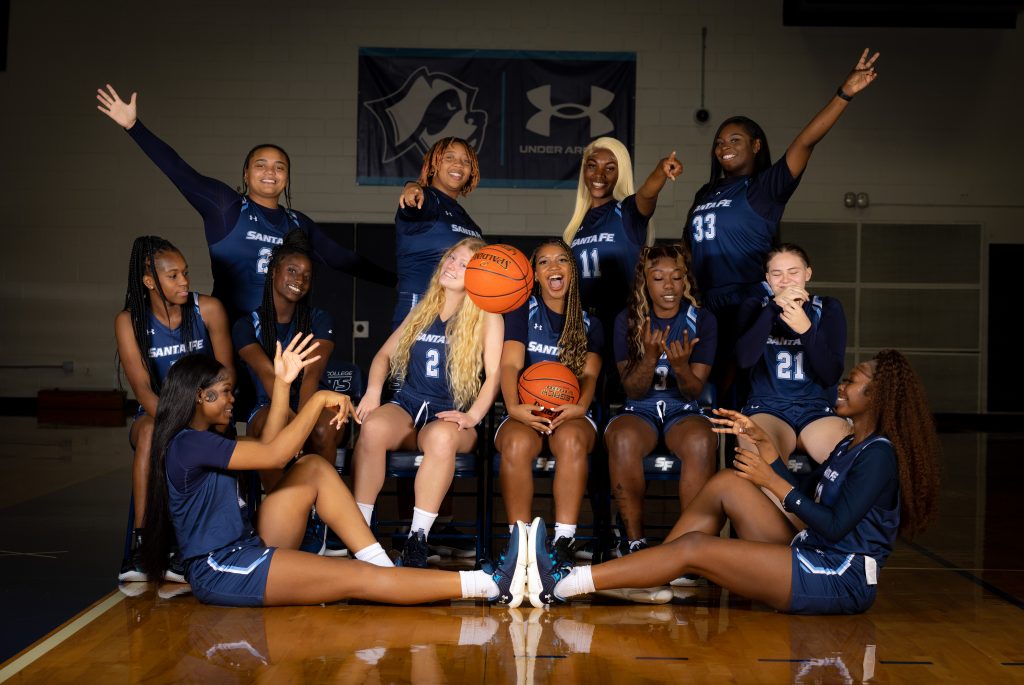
(374, 554)
(421, 520)
(371, 656)
(580, 581)
(477, 584)
(575, 634)
(564, 530)
(366, 510)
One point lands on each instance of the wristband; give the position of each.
(843, 96)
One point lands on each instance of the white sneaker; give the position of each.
(640, 595)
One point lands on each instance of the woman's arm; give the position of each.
(755, 322)
(378, 373)
(288, 363)
(825, 344)
(257, 360)
(315, 371)
(588, 385)
(799, 151)
(216, 320)
(638, 382)
(133, 363)
(494, 332)
(668, 168)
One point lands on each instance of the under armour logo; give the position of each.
(152, 331)
(540, 123)
(538, 327)
(252, 217)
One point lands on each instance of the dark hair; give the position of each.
(573, 341)
(141, 263)
(900, 406)
(288, 161)
(296, 242)
(762, 159)
(638, 306)
(174, 413)
(433, 158)
(782, 248)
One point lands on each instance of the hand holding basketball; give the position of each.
(549, 384)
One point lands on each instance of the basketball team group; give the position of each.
(653, 347)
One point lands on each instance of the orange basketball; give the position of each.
(548, 384)
(499, 278)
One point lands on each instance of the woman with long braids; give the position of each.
(241, 228)
(824, 553)
(445, 355)
(664, 348)
(193, 501)
(287, 309)
(551, 326)
(161, 322)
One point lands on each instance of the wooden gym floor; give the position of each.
(949, 607)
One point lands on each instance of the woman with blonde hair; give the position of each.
(438, 356)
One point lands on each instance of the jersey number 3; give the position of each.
(263, 260)
(704, 227)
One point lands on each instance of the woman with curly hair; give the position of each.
(439, 354)
(664, 349)
(823, 554)
(551, 326)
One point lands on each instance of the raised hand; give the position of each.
(862, 75)
(736, 423)
(679, 351)
(124, 113)
(794, 316)
(792, 293)
(412, 196)
(654, 341)
(294, 358)
(671, 166)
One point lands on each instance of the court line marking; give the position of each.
(29, 656)
(983, 584)
(662, 658)
(888, 662)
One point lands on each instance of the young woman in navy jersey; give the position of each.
(287, 309)
(664, 347)
(430, 219)
(609, 223)
(795, 346)
(440, 353)
(193, 501)
(551, 326)
(824, 557)
(241, 228)
(161, 322)
(734, 219)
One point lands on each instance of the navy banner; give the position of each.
(528, 114)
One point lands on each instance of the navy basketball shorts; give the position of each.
(233, 576)
(832, 583)
(797, 415)
(659, 414)
(422, 410)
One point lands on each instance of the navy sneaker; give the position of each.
(510, 575)
(131, 567)
(314, 540)
(449, 541)
(175, 571)
(415, 551)
(547, 565)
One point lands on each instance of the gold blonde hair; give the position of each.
(624, 186)
(463, 332)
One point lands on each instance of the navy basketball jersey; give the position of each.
(203, 496)
(240, 260)
(783, 372)
(606, 248)
(696, 323)
(167, 345)
(543, 331)
(875, 533)
(427, 373)
(423, 235)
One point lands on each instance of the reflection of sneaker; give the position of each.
(175, 572)
(415, 551)
(173, 590)
(314, 540)
(546, 565)
(510, 575)
(687, 580)
(640, 595)
(575, 634)
(133, 589)
(449, 541)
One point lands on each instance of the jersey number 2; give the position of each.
(263, 261)
(433, 363)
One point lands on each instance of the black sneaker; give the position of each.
(175, 572)
(415, 551)
(630, 546)
(131, 567)
(449, 541)
(314, 540)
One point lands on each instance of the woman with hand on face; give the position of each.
(551, 326)
(664, 346)
(445, 356)
(824, 557)
(241, 228)
(734, 219)
(795, 346)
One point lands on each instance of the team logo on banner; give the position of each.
(528, 115)
(429, 106)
